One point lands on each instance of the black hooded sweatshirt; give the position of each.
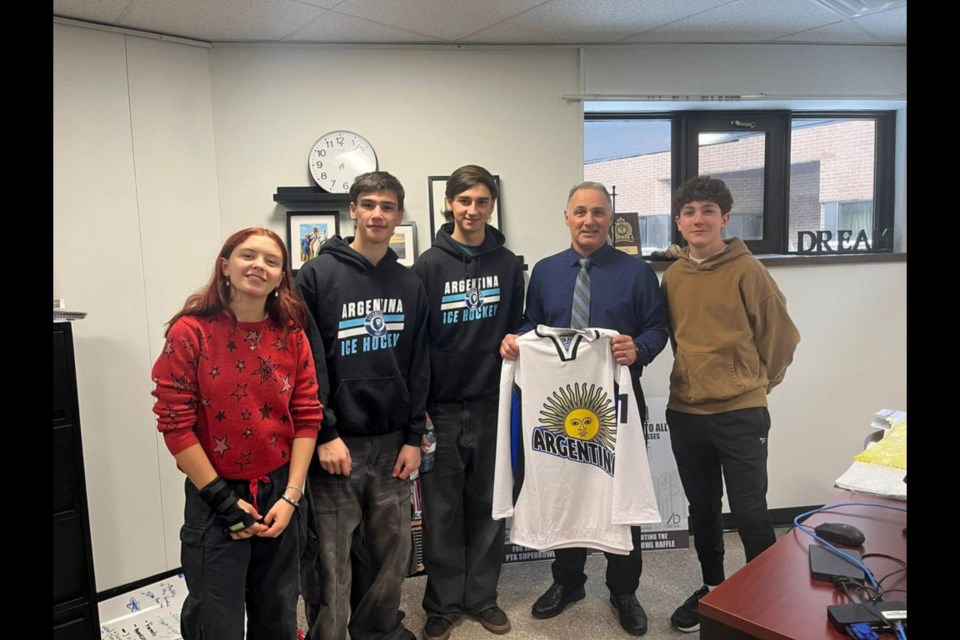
(475, 300)
(372, 325)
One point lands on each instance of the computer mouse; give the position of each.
(840, 533)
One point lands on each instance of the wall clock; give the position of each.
(338, 157)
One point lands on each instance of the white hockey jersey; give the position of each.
(569, 421)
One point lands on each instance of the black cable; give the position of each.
(895, 571)
(883, 555)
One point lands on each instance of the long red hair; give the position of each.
(286, 309)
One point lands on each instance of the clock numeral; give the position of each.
(346, 186)
(322, 153)
(323, 176)
(340, 141)
(333, 183)
(318, 164)
(329, 143)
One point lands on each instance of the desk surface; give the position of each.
(774, 598)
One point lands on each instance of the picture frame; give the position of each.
(300, 225)
(437, 185)
(404, 243)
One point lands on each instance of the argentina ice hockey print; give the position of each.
(370, 325)
(470, 299)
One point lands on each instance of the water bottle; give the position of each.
(428, 448)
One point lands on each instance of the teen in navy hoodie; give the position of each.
(370, 318)
(475, 287)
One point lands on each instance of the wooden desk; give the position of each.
(774, 597)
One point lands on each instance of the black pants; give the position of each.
(623, 572)
(711, 449)
(225, 576)
(463, 544)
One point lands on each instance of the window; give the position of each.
(633, 158)
(800, 180)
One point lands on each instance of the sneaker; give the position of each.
(494, 620)
(687, 616)
(437, 628)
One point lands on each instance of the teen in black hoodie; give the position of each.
(475, 288)
(370, 318)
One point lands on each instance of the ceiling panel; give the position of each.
(889, 26)
(843, 32)
(103, 11)
(336, 27)
(601, 21)
(445, 19)
(220, 20)
(744, 21)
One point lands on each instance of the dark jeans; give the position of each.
(374, 508)
(225, 575)
(711, 449)
(623, 571)
(463, 544)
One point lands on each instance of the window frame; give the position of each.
(776, 224)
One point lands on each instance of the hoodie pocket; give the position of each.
(699, 377)
(372, 405)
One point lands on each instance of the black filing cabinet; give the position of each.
(74, 589)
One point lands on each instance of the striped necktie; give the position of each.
(580, 311)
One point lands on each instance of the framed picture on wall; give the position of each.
(307, 231)
(404, 243)
(436, 185)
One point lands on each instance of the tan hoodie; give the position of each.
(731, 334)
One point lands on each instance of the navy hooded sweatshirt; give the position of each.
(475, 300)
(372, 325)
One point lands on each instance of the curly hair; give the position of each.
(703, 189)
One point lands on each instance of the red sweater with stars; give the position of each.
(244, 393)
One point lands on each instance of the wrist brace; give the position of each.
(224, 501)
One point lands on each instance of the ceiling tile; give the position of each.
(840, 32)
(221, 20)
(743, 21)
(445, 19)
(324, 4)
(104, 11)
(889, 26)
(337, 27)
(573, 21)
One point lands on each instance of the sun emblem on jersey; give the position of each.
(375, 324)
(473, 298)
(581, 412)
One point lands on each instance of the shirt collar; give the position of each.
(599, 257)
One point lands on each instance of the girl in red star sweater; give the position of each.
(236, 392)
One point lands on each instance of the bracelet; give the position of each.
(288, 500)
(290, 486)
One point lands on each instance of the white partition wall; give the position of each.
(136, 228)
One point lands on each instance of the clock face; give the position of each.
(338, 157)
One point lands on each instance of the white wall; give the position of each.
(785, 70)
(136, 228)
(161, 150)
(426, 112)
